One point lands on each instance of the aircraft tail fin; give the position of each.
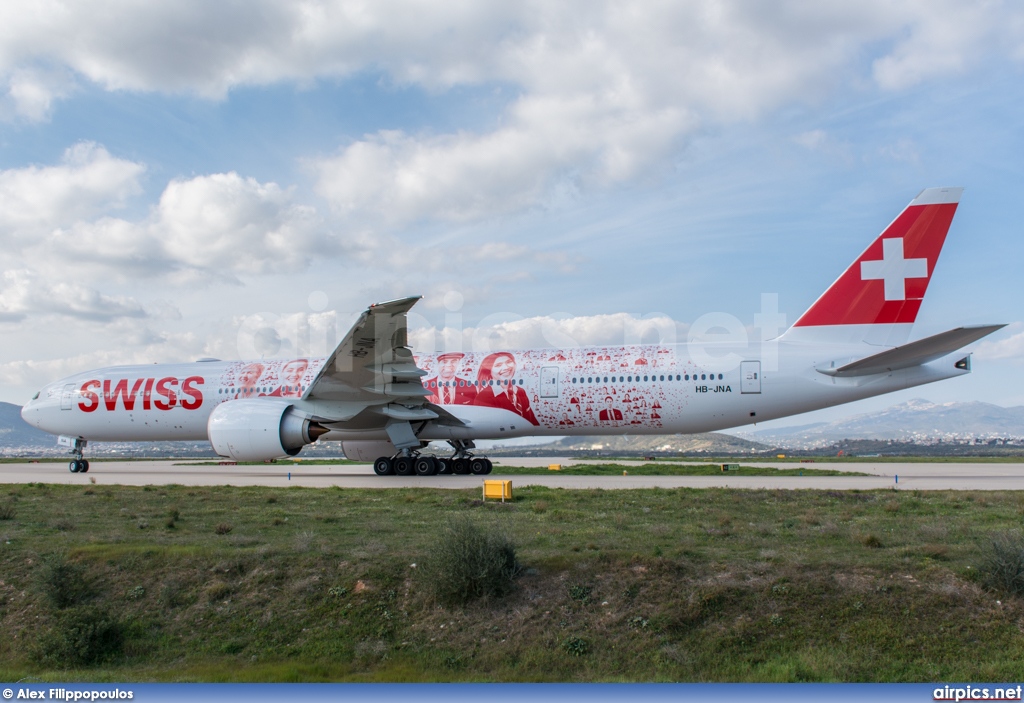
(877, 298)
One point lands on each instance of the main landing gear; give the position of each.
(78, 465)
(413, 464)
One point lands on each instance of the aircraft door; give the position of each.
(67, 397)
(549, 382)
(750, 377)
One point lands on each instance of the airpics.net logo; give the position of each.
(716, 340)
(978, 693)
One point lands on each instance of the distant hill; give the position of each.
(916, 420)
(16, 433)
(711, 443)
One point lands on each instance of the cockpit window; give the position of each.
(36, 396)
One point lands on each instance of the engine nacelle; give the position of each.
(260, 429)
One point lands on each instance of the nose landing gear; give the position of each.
(78, 465)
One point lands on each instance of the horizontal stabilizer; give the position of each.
(914, 354)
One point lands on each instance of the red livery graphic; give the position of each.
(275, 379)
(447, 387)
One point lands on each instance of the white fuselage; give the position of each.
(645, 389)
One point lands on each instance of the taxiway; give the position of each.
(901, 476)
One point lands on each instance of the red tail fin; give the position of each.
(886, 284)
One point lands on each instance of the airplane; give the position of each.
(385, 403)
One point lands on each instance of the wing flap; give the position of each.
(915, 353)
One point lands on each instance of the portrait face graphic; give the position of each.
(504, 368)
(448, 367)
(293, 372)
(250, 375)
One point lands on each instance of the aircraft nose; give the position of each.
(28, 413)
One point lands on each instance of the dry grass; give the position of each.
(665, 585)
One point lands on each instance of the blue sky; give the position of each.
(180, 180)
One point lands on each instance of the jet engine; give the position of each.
(260, 429)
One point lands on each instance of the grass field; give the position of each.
(257, 584)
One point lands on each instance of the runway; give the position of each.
(900, 476)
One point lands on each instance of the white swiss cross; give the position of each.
(893, 269)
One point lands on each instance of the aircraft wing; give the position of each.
(915, 353)
(373, 367)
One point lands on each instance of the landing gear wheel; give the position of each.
(425, 466)
(446, 467)
(73, 466)
(478, 466)
(85, 466)
(490, 466)
(460, 466)
(383, 467)
(403, 465)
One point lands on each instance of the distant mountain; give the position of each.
(16, 433)
(709, 443)
(916, 420)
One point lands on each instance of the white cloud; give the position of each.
(1010, 348)
(940, 38)
(23, 293)
(607, 92)
(220, 224)
(600, 92)
(549, 331)
(226, 221)
(31, 93)
(88, 181)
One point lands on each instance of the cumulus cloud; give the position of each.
(221, 222)
(599, 92)
(88, 181)
(271, 335)
(31, 93)
(228, 221)
(501, 331)
(607, 92)
(23, 293)
(1010, 348)
(127, 343)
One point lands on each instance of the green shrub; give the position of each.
(1003, 565)
(64, 582)
(576, 646)
(173, 594)
(470, 561)
(872, 541)
(7, 511)
(581, 593)
(82, 636)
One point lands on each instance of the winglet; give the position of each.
(916, 353)
(397, 306)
